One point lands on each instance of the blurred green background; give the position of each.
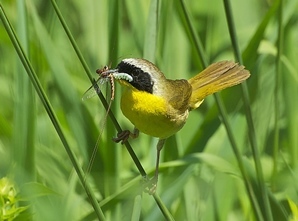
(201, 175)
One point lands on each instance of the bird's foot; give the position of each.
(124, 135)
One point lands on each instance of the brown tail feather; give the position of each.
(214, 78)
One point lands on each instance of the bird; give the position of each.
(158, 106)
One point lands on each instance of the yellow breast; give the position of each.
(150, 113)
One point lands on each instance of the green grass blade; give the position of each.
(251, 129)
(166, 213)
(196, 41)
(113, 154)
(250, 52)
(277, 87)
(24, 114)
(35, 81)
(137, 208)
(226, 123)
(289, 79)
(247, 182)
(151, 32)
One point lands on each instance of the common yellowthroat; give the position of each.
(158, 106)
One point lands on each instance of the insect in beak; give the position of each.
(105, 75)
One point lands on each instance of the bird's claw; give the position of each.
(122, 136)
(125, 134)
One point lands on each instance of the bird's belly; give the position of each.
(150, 114)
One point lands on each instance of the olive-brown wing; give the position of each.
(179, 93)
